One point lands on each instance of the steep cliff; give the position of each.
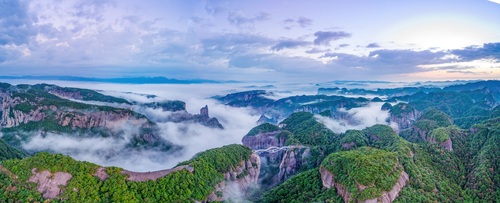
(264, 136)
(404, 115)
(237, 180)
(364, 175)
(279, 162)
(27, 109)
(434, 127)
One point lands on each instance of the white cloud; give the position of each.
(364, 117)
(192, 137)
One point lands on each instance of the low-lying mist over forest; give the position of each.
(191, 137)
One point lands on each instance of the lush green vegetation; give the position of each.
(357, 137)
(8, 152)
(303, 187)
(262, 128)
(84, 186)
(377, 170)
(306, 130)
(480, 152)
(85, 94)
(441, 119)
(401, 109)
(34, 98)
(432, 126)
(386, 106)
(440, 134)
(374, 157)
(436, 175)
(175, 105)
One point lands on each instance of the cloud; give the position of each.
(192, 137)
(495, 1)
(215, 7)
(362, 117)
(316, 50)
(287, 44)
(381, 62)
(301, 21)
(486, 51)
(15, 22)
(233, 45)
(324, 38)
(238, 19)
(373, 45)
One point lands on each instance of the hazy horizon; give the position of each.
(283, 41)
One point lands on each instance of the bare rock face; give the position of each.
(264, 140)
(328, 180)
(204, 111)
(101, 174)
(238, 180)
(390, 196)
(292, 161)
(204, 119)
(146, 176)
(404, 115)
(348, 146)
(49, 184)
(279, 162)
(448, 145)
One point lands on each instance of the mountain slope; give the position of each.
(210, 176)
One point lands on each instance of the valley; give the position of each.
(404, 144)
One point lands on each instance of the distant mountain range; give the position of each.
(121, 80)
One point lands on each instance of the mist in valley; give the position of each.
(190, 136)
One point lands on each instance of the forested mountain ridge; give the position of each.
(28, 110)
(212, 175)
(445, 148)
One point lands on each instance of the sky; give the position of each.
(280, 40)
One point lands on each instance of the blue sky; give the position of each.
(282, 40)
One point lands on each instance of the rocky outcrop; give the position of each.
(204, 119)
(265, 140)
(448, 145)
(238, 180)
(404, 115)
(49, 184)
(44, 111)
(146, 176)
(291, 162)
(185, 117)
(279, 162)
(328, 180)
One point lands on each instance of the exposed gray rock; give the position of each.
(146, 176)
(264, 140)
(49, 184)
(406, 117)
(238, 180)
(328, 180)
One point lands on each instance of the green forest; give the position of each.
(450, 153)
